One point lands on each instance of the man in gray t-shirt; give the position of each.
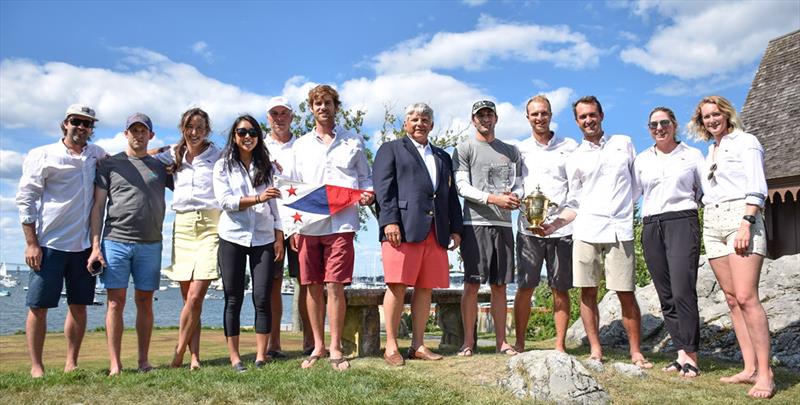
(130, 187)
(488, 176)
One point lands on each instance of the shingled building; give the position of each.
(771, 113)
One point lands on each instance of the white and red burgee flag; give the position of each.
(303, 204)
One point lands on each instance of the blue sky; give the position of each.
(230, 57)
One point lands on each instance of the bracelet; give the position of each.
(257, 200)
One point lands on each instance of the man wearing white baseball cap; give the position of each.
(59, 179)
(279, 142)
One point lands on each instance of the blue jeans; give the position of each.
(126, 259)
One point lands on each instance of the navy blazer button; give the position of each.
(430, 213)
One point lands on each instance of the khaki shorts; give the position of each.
(620, 264)
(720, 224)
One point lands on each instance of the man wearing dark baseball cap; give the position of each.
(488, 176)
(130, 187)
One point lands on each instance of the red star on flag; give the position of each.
(297, 217)
(292, 191)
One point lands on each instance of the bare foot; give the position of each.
(114, 372)
(70, 368)
(37, 371)
(195, 365)
(177, 360)
(743, 377)
(765, 391)
(145, 367)
(641, 362)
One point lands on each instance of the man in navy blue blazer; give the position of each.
(420, 218)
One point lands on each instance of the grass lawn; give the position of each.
(454, 380)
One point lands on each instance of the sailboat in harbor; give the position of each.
(6, 280)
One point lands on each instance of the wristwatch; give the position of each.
(750, 218)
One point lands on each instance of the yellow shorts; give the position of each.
(194, 246)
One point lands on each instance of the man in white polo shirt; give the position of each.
(600, 174)
(544, 166)
(279, 142)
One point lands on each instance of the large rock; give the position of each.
(779, 290)
(549, 375)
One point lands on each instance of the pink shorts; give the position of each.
(418, 264)
(326, 259)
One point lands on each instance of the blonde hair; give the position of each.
(699, 131)
(540, 98)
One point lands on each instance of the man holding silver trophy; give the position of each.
(600, 201)
(487, 172)
(544, 177)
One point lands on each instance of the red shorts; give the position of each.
(326, 259)
(417, 264)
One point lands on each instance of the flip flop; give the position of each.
(307, 363)
(673, 367)
(465, 352)
(145, 369)
(336, 362)
(688, 368)
(509, 351)
(642, 364)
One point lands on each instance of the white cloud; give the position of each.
(118, 143)
(10, 164)
(35, 95)
(474, 3)
(706, 39)
(473, 50)
(201, 48)
(8, 205)
(628, 36)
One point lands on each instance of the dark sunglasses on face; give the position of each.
(664, 124)
(244, 131)
(76, 122)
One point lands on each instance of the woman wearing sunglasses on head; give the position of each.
(195, 240)
(249, 230)
(667, 175)
(734, 190)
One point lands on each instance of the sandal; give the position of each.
(307, 363)
(673, 367)
(688, 368)
(509, 351)
(465, 352)
(336, 362)
(277, 354)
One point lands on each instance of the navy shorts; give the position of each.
(60, 268)
(488, 254)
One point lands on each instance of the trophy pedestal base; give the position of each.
(534, 228)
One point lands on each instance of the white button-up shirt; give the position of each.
(545, 166)
(668, 182)
(426, 153)
(253, 226)
(342, 163)
(740, 171)
(601, 190)
(56, 192)
(194, 185)
(281, 152)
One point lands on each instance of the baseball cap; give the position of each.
(141, 119)
(278, 102)
(479, 105)
(81, 110)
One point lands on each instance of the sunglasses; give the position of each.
(663, 123)
(76, 122)
(244, 132)
(711, 171)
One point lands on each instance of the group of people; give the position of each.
(85, 213)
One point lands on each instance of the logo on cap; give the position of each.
(479, 105)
